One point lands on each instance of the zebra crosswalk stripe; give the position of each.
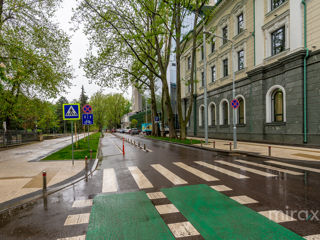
(140, 179)
(196, 172)
(109, 183)
(270, 167)
(294, 166)
(247, 169)
(222, 170)
(176, 180)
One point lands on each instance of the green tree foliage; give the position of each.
(33, 113)
(34, 51)
(108, 109)
(134, 123)
(62, 125)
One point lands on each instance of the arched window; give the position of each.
(201, 115)
(224, 112)
(241, 110)
(277, 104)
(212, 114)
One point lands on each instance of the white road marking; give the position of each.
(243, 199)
(277, 216)
(183, 229)
(82, 203)
(247, 169)
(196, 172)
(168, 174)
(117, 147)
(82, 237)
(77, 219)
(166, 208)
(222, 170)
(270, 167)
(295, 166)
(140, 179)
(156, 195)
(313, 237)
(221, 188)
(109, 183)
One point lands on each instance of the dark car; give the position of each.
(134, 131)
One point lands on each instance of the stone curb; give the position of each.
(236, 152)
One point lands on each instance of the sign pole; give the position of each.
(72, 141)
(88, 137)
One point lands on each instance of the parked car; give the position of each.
(134, 131)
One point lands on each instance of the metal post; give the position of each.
(144, 147)
(191, 141)
(214, 144)
(230, 146)
(86, 167)
(234, 96)
(205, 85)
(88, 136)
(90, 155)
(138, 144)
(269, 150)
(44, 178)
(72, 141)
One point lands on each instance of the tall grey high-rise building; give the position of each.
(136, 100)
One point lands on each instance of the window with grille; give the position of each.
(278, 41)
(213, 73)
(225, 35)
(225, 67)
(276, 3)
(240, 23)
(240, 60)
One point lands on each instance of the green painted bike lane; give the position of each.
(126, 216)
(216, 216)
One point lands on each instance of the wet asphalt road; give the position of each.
(284, 192)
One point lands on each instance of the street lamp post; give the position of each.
(205, 86)
(233, 89)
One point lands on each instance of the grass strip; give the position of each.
(176, 140)
(79, 152)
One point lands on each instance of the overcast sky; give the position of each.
(79, 44)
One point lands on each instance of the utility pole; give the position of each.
(205, 85)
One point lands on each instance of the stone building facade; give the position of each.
(273, 63)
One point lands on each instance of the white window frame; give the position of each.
(236, 12)
(210, 113)
(221, 111)
(269, 108)
(200, 115)
(244, 109)
(215, 67)
(268, 31)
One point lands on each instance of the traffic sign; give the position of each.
(71, 111)
(87, 108)
(87, 119)
(156, 119)
(235, 103)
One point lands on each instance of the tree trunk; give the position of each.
(154, 112)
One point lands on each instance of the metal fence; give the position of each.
(17, 137)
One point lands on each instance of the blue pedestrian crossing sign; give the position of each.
(71, 111)
(87, 119)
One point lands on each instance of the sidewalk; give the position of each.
(280, 151)
(21, 172)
